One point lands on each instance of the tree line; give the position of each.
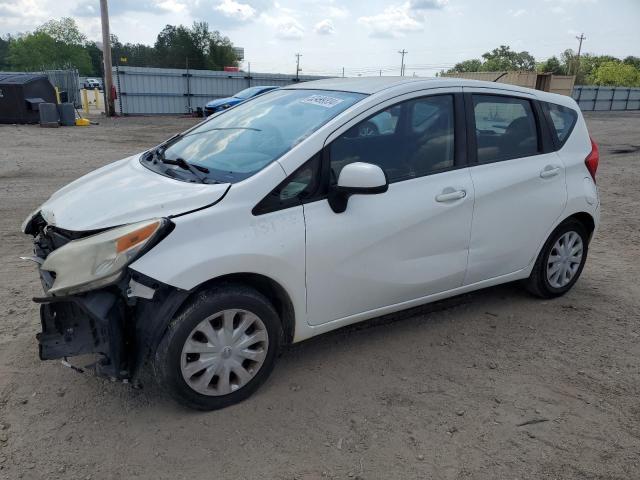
(589, 69)
(59, 44)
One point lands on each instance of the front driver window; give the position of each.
(409, 140)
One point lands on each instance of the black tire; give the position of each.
(167, 359)
(537, 283)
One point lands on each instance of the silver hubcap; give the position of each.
(224, 352)
(564, 259)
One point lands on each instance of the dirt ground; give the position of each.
(492, 385)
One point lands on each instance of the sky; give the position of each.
(361, 36)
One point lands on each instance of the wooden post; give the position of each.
(106, 57)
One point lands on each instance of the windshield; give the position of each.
(248, 92)
(241, 141)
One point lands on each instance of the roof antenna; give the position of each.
(500, 76)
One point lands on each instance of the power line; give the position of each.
(402, 52)
(580, 39)
(298, 55)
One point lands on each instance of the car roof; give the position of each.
(371, 85)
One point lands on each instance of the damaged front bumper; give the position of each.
(122, 328)
(121, 324)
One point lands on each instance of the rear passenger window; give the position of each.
(411, 139)
(563, 120)
(505, 128)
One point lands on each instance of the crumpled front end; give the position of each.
(120, 323)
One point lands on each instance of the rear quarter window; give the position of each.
(563, 119)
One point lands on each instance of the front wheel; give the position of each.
(219, 349)
(560, 261)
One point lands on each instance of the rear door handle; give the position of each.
(448, 195)
(550, 171)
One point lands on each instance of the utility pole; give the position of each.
(580, 39)
(402, 52)
(342, 72)
(297, 66)
(106, 57)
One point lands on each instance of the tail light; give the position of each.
(593, 159)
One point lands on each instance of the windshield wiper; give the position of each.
(196, 170)
(158, 150)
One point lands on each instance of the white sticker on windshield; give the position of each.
(322, 101)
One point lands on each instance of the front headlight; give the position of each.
(27, 221)
(98, 260)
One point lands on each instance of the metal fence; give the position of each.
(144, 90)
(65, 81)
(592, 98)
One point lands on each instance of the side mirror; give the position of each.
(357, 178)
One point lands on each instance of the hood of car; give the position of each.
(223, 101)
(124, 192)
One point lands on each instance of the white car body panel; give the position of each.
(124, 192)
(389, 248)
(511, 196)
(385, 253)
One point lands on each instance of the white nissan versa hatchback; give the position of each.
(306, 209)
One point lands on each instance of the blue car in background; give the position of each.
(223, 103)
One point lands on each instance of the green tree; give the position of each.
(498, 60)
(631, 60)
(617, 74)
(473, 65)
(204, 49)
(137, 54)
(552, 65)
(220, 52)
(95, 54)
(175, 46)
(64, 31)
(56, 44)
(4, 52)
(589, 63)
(60, 44)
(503, 58)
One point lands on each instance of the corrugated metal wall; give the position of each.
(177, 91)
(591, 98)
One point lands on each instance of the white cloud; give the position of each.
(18, 8)
(427, 4)
(337, 12)
(517, 13)
(173, 6)
(21, 15)
(236, 10)
(324, 27)
(286, 26)
(394, 21)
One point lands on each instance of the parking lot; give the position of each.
(495, 384)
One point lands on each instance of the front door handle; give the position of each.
(550, 171)
(449, 194)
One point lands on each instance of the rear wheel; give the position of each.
(560, 261)
(219, 349)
